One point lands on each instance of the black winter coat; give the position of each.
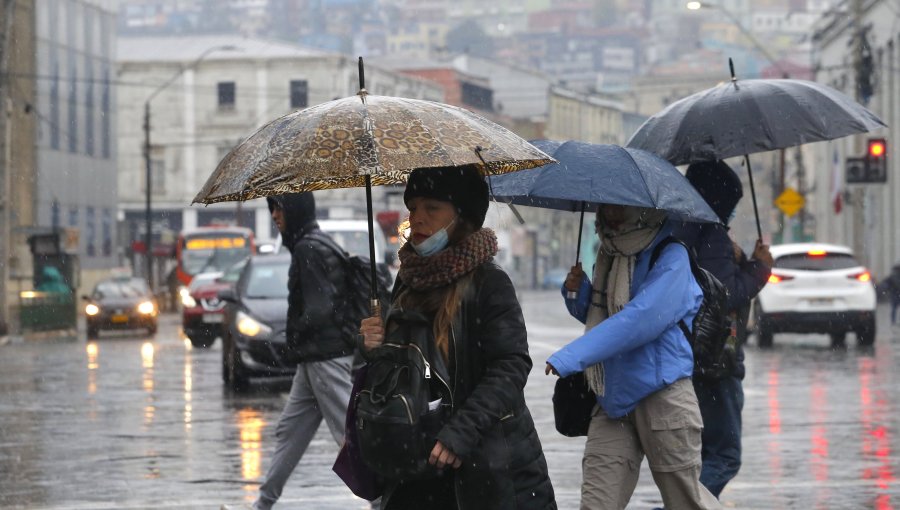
(316, 279)
(491, 428)
(743, 279)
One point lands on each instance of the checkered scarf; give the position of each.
(445, 267)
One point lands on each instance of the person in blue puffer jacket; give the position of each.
(638, 362)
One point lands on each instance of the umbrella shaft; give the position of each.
(580, 229)
(753, 194)
(373, 279)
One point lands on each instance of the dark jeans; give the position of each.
(720, 405)
(895, 303)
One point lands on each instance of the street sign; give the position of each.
(790, 202)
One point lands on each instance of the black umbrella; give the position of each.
(743, 117)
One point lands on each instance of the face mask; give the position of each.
(435, 243)
(731, 216)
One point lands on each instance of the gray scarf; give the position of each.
(613, 272)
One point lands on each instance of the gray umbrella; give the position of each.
(744, 117)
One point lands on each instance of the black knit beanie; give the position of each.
(462, 186)
(718, 184)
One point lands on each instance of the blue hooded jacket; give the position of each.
(642, 348)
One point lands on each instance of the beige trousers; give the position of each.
(665, 427)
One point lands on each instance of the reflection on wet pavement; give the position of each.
(131, 422)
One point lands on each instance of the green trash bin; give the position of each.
(45, 311)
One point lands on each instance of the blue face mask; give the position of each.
(435, 243)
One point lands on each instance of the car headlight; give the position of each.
(146, 308)
(188, 301)
(248, 326)
(92, 309)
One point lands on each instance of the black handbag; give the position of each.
(573, 402)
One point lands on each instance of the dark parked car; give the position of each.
(253, 340)
(121, 303)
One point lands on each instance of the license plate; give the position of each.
(213, 318)
(821, 301)
(119, 318)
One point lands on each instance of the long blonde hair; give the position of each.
(443, 302)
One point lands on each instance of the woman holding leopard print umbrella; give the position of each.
(488, 452)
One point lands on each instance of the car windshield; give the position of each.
(354, 242)
(816, 262)
(233, 273)
(121, 289)
(268, 281)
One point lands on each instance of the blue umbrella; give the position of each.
(586, 175)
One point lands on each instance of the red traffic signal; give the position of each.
(876, 160)
(877, 148)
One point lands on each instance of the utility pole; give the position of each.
(5, 171)
(859, 194)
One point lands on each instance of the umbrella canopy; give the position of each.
(339, 143)
(588, 174)
(748, 116)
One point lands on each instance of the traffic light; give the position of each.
(876, 160)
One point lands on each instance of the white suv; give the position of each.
(816, 288)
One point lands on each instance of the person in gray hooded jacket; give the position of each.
(321, 386)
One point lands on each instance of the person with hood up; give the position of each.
(721, 401)
(892, 285)
(321, 385)
(488, 452)
(638, 362)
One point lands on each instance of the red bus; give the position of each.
(207, 249)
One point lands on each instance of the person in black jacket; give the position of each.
(321, 386)
(721, 401)
(488, 451)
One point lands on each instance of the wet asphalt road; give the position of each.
(128, 422)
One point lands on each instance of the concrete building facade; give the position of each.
(222, 89)
(869, 214)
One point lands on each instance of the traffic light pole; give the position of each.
(860, 198)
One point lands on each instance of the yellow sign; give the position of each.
(211, 243)
(790, 202)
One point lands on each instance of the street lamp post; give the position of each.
(148, 213)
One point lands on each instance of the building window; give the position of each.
(105, 134)
(299, 94)
(226, 95)
(107, 233)
(91, 231)
(54, 102)
(89, 108)
(73, 103)
(158, 177)
(73, 216)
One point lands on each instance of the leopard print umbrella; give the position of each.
(338, 143)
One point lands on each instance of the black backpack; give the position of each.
(354, 305)
(404, 400)
(711, 337)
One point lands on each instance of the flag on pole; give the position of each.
(837, 188)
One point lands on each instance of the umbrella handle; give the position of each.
(753, 194)
(573, 294)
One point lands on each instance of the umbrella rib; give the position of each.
(641, 173)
